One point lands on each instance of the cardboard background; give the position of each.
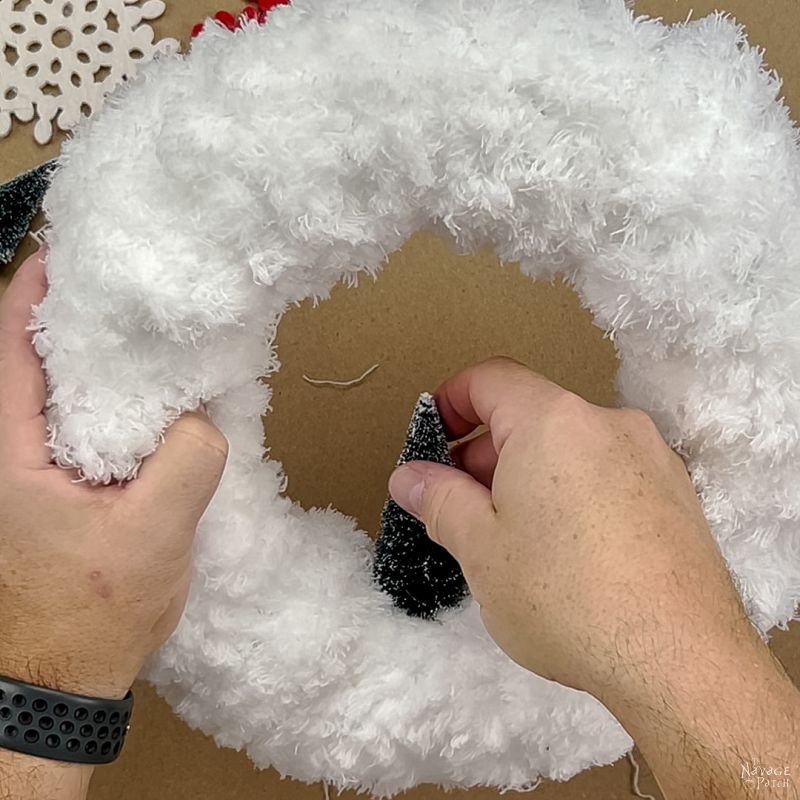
(430, 313)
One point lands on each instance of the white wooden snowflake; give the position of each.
(59, 58)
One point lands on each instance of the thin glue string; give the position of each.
(635, 779)
(39, 235)
(354, 382)
(325, 793)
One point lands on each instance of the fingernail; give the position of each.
(406, 485)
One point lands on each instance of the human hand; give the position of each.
(574, 524)
(92, 578)
(581, 538)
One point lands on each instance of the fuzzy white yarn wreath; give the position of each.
(653, 166)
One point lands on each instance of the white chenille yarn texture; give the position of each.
(654, 166)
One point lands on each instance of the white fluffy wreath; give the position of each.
(653, 166)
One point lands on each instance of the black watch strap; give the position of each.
(62, 726)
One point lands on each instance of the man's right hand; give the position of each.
(582, 539)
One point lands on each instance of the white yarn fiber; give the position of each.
(653, 166)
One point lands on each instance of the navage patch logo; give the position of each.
(760, 776)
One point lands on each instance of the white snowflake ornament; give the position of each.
(60, 58)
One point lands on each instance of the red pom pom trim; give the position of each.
(256, 11)
(227, 19)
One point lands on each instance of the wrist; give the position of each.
(66, 676)
(61, 726)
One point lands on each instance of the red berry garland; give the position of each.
(256, 11)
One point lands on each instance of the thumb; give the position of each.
(180, 478)
(456, 509)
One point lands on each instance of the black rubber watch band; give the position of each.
(62, 726)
